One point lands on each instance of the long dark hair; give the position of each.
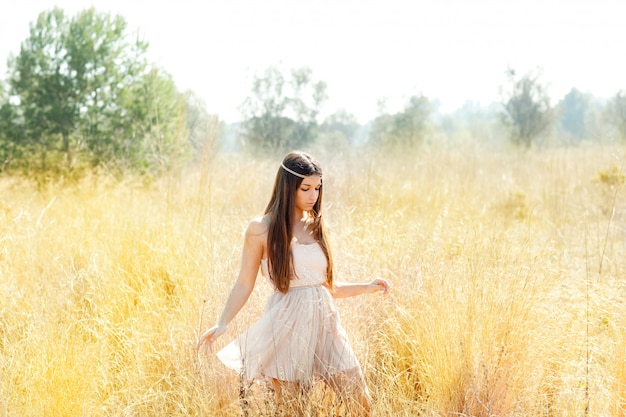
(281, 210)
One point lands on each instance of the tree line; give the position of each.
(80, 95)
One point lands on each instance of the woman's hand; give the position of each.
(208, 337)
(345, 290)
(380, 284)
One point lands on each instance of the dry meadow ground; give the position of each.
(509, 274)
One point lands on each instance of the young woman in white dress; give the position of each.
(299, 340)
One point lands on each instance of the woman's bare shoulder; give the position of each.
(258, 227)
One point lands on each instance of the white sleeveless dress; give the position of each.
(299, 338)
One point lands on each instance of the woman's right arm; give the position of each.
(253, 249)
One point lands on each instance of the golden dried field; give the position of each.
(509, 273)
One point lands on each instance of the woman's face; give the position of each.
(308, 193)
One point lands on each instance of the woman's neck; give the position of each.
(301, 216)
(301, 230)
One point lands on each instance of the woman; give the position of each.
(299, 340)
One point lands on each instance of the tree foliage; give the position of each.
(573, 111)
(343, 124)
(204, 129)
(616, 113)
(406, 128)
(5, 124)
(82, 94)
(527, 110)
(281, 112)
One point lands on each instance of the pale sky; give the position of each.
(450, 50)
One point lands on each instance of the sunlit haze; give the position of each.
(451, 51)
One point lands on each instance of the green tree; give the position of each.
(197, 119)
(616, 113)
(404, 129)
(281, 113)
(342, 125)
(5, 124)
(42, 82)
(205, 131)
(149, 130)
(527, 110)
(573, 110)
(82, 89)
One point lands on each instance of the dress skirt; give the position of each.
(299, 338)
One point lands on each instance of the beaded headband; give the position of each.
(292, 172)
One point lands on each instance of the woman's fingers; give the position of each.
(208, 337)
(384, 285)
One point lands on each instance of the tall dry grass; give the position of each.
(508, 268)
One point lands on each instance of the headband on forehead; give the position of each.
(292, 172)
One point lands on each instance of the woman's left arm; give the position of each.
(345, 290)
